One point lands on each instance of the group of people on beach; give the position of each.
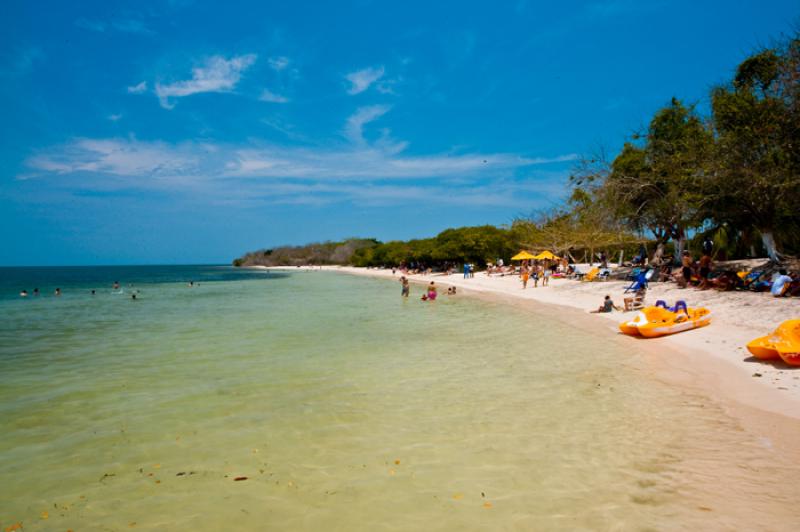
(431, 291)
(535, 271)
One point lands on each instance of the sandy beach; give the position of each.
(712, 359)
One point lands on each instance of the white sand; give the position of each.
(713, 357)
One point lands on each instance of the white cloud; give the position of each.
(254, 172)
(138, 88)
(141, 161)
(269, 96)
(114, 117)
(360, 80)
(354, 128)
(216, 75)
(278, 63)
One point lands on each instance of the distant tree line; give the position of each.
(733, 176)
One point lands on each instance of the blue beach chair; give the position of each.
(641, 281)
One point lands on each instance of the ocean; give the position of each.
(256, 400)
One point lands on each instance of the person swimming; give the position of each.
(35, 291)
(93, 292)
(115, 286)
(24, 293)
(58, 291)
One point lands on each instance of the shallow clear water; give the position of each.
(347, 408)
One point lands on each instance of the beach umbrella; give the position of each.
(523, 255)
(545, 255)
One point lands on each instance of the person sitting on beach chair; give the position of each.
(637, 301)
(781, 284)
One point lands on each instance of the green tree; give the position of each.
(657, 187)
(756, 119)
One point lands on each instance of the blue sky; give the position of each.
(192, 131)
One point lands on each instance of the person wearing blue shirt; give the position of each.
(780, 284)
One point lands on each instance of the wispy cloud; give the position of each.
(143, 160)
(354, 128)
(360, 80)
(269, 96)
(278, 63)
(217, 74)
(91, 25)
(114, 117)
(19, 61)
(127, 25)
(359, 170)
(139, 88)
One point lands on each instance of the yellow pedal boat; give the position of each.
(652, 322)
(784, 343)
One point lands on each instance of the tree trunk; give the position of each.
(659, 252)
(591, 256)
(621, 256)
(768, 240)
(680, 244)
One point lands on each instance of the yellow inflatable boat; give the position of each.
(784, 343)
(652, 322)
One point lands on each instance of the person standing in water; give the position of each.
(115, 286)
(58, 292)
(406, 288)
(432, 291)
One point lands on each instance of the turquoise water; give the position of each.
(347, 408)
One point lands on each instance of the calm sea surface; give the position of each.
(346, 408)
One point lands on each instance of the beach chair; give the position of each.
(642, 280)
(634, 273)
(591, 275)
(636, 302)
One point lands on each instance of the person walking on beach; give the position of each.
(466, 270)
(546, 276)
(406, 289)
(524, 276)
(686, 269)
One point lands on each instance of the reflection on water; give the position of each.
(347, 408)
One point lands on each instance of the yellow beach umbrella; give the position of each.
(545, 255)
(523, 255)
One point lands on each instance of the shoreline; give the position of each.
(711, 360)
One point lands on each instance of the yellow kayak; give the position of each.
(652, 322)
(784, 343)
